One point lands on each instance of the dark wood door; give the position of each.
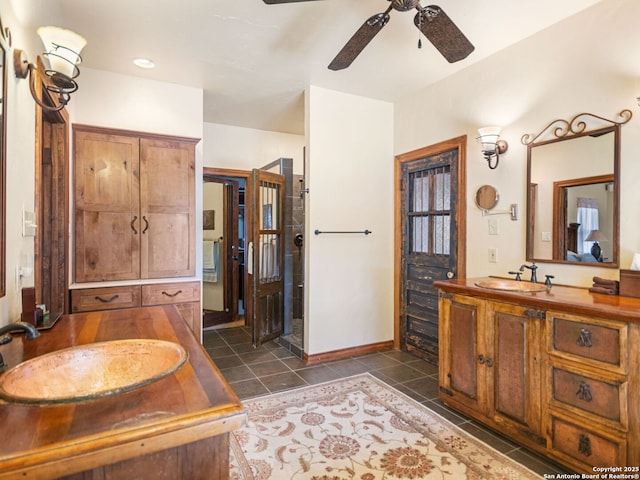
(267, 251)
(432, 211)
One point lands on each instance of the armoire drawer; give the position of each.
(107, 298)
(586, 446)
(591, 395)
(596, 343)
(170, 293)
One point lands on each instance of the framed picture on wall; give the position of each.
(209, 220)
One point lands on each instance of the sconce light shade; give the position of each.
(62, 50)
(62, 47)
(491, 145)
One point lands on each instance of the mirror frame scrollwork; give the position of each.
(559, 130)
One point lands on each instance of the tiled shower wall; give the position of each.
(297, 253)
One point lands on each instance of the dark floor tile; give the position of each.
(377, 361)
(217, 352)
(294, 363)
(400, 356)
(210, 340)
(487, 436)
(437, 406)
(348, 367)
(318, 374)
(401, 373)
(249, 388)
(283, 353)
(409, 393)
(282, 381)
(537, 464)
(246, 347)
(424, 367)
(234, 336)
(228, 361)
(236, 374)
(268, 368)
(257, 356)
(428, 387)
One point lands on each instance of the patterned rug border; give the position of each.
(367, 382)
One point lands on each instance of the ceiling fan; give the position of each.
(431, 21)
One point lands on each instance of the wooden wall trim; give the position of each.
(348, 352)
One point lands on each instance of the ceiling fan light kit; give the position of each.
(434, 24)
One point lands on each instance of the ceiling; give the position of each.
(254, 61)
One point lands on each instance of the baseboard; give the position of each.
(348, 352)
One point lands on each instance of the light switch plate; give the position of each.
(493, 226)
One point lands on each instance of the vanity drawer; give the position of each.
(600, 342)
(170, 293)
(589, 394)
(107, 298)
(589, 448)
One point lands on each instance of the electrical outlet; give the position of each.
(493, 255)
(493, 226)
(546, 236)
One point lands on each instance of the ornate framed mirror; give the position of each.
(5, 44)
(573, 170)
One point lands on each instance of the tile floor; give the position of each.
(272, 368)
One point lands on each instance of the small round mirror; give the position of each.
(487, 197)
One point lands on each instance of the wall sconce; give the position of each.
(492, 146)
(62, 49)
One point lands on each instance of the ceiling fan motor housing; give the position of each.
(405, 5)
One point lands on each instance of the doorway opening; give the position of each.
(223, 254)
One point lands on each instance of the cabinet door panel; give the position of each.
(167, 203)
(511, 366)
(106, 207)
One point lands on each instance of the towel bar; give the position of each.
(366, 232)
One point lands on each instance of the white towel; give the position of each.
(208, 257)
(210, 260)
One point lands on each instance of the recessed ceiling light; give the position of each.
(143, 63)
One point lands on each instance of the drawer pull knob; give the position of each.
(107, 300)
(584, 392)
(172, 294)
(584, 445)
(480, 359)
(489, 362)
(135, 232)
(584, 340)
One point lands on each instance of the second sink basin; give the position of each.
(91, 371)
(511, 285)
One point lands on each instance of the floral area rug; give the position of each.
(362, 429)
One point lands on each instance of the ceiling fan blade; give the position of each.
(360, 39)
(443, 33)
(275, 2)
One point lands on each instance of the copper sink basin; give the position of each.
(91, 371)
(511, 285)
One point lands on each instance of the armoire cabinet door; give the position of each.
(167, 203)
(107, 224)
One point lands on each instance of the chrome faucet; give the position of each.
(29, 329)
(533, 267)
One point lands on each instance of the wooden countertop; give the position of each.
(193, 403)
(574, 299)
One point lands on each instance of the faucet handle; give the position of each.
(517, 274)
(547, 280)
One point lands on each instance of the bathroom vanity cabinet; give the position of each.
(557, 371)
(174, 427)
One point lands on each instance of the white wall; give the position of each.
(239, 148)
(20, 145)
(349, 277)
(587, 63)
